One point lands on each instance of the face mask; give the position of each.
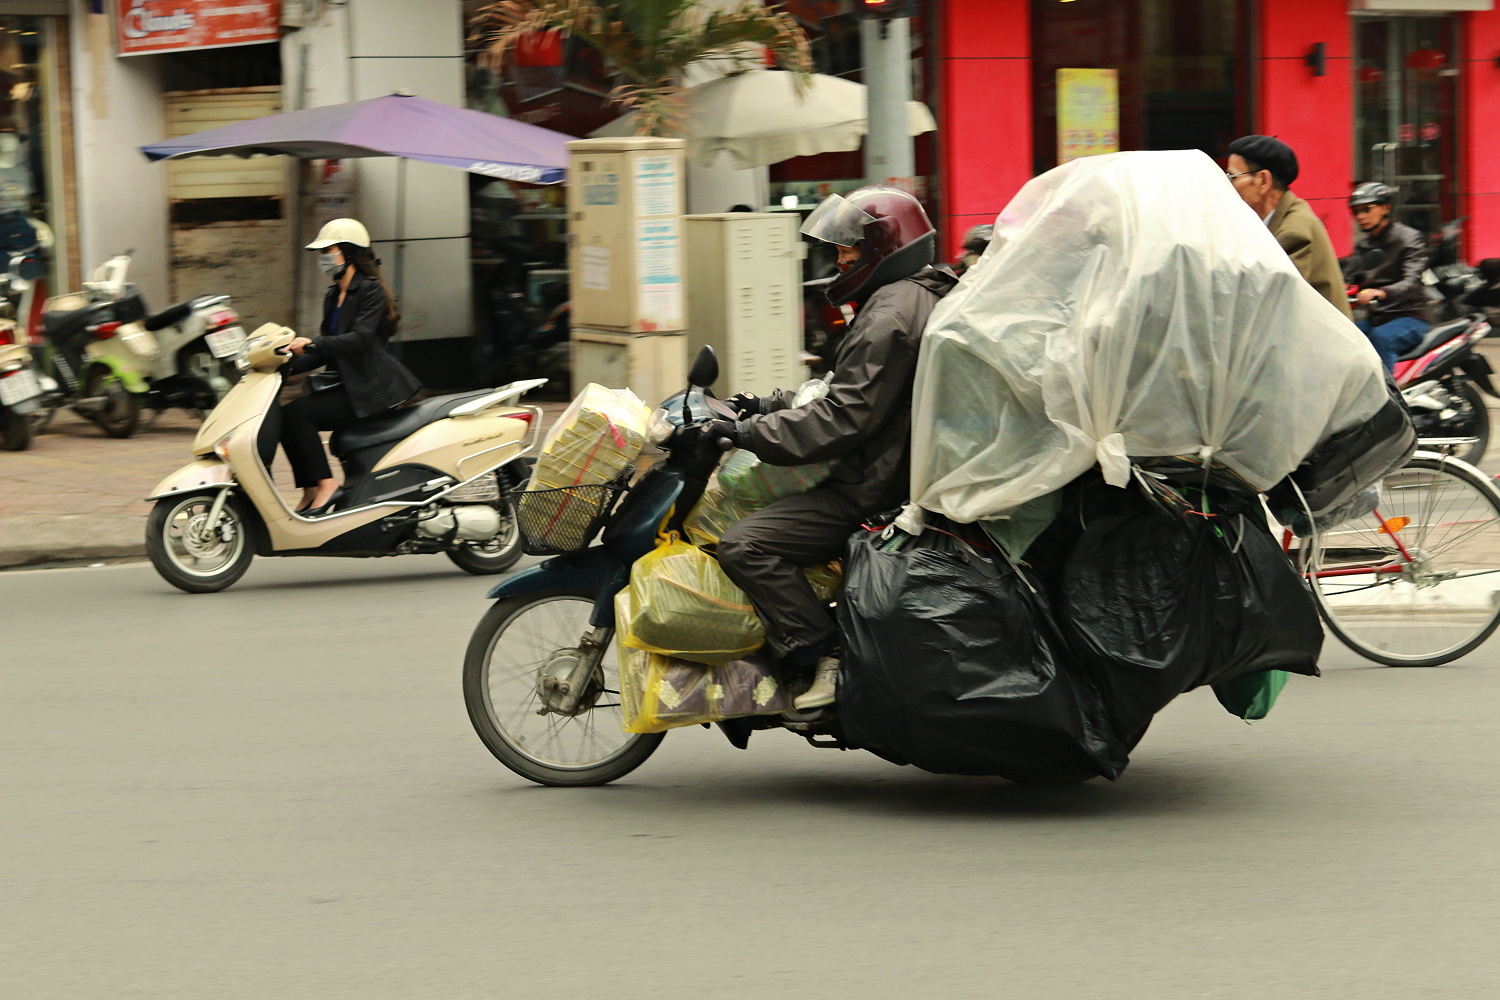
(331, 267)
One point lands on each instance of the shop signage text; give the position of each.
(145, 26)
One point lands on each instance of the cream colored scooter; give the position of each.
(429, 478)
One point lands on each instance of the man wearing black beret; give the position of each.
(1262, 169)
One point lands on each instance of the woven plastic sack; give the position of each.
(661, 692)
(596, 438)
(1130, 306)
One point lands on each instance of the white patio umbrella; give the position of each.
(758, 118)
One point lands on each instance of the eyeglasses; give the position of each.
(1230, 177)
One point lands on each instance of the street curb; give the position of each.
(28, 539)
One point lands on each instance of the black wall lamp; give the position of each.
(1317, 59)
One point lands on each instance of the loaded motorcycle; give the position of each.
(540, 677)
(422, 479)
(110, 360)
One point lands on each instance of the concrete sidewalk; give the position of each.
(78, 494)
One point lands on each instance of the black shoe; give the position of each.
(327, 508)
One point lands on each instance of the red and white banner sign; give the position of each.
(144, 26)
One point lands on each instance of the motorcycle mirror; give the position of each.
(705, 370)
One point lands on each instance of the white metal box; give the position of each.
(744, 275)
(653, 366)
(625, 202)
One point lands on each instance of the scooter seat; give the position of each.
(1439, 334)
(389, 427)
(175, 314)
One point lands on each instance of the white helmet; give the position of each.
(341, 231)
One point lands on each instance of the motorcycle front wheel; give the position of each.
(193, 555)
(512, 645)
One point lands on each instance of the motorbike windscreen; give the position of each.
(837, 220)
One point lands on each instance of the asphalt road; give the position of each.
(275, 792)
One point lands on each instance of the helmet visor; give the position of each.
(837, 221)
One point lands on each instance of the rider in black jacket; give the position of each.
(1391, 286)
(886, 246)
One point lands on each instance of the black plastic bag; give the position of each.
(952, 663)
(1348, 462)
(1154, 604)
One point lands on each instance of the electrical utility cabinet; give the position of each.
(744, 275)
(625, 259)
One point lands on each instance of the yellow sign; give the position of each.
(1088, 113)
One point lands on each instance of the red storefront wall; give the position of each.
(1480, 156)
(985, 110)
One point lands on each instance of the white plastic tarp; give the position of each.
(1131, 305)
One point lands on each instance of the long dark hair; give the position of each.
(365, 262)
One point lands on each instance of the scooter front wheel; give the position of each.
(515, 644)
(190, 553)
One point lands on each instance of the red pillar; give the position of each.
(1479, 134)
(1312, 114)
(985, 111)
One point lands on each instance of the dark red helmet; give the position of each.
(894, 237)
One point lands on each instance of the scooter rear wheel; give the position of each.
(120, 416)
(15, 430)
(189, 554)
(495, 556)
(512, 644)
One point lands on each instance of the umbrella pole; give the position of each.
(400, 239)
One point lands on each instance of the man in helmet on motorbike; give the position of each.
(886, 246)
(1390, 280)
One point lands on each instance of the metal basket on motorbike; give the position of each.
(554, 522)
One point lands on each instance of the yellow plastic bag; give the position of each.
(680, 603)
(712, 515)
(660, 692)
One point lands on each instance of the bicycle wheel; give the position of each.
(519, 644)
(1416, 583)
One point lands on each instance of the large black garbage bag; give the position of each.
(953, 663)
(1155, 604)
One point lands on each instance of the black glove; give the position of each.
(706, 440)
(746, 404)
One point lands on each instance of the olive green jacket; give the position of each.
(1302, 236)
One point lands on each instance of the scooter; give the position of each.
(109, 347)
(20, 389)
(433, 477)
(563, 610)
(1444, 380)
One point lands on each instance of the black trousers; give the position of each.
(765, 554)
(301, 420)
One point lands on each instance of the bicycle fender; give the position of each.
(593, 570)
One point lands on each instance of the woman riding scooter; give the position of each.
(359, 317)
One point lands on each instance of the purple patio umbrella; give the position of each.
(401, 125)
(410, 127)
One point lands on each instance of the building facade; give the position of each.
(1403, 91)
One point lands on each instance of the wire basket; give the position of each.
(558, 521)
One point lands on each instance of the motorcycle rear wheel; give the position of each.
(121, 415)
(501, 668)
(15, 430)
(495, 556)
(1473, 397)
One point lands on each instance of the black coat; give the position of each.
(356, 346)
(864, 423)
(1399, 273)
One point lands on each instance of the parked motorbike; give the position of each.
(20, 389)
(1449, 278)
(426, 478)
(111, 360)
(561, 726)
